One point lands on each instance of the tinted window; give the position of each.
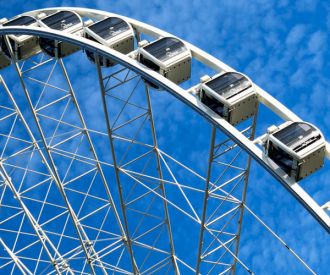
(62, 20)
(293, 133)
(213, 104)
(165, 48)
(229, 84)
(21, 21)
(281, 158)
(109, 27)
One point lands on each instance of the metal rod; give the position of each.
(15, 259)
(246, 182)
(161, 183)
(127, 238)
(43, 238)
(51, 165)
(206, 195)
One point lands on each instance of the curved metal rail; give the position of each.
(265, 98)
(185, 96)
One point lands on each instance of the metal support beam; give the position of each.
(246, 144)
(200, 55)
(57, 261)
(294, 188)
(246, 181)
(92, 147)
(51, 165)
(15, 259)
(224, 213)
(160, 174)
(128, 239)
(206, 195)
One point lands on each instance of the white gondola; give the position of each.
(66, 21)
(298, 148)
(231, 95)
(24, 46)
(113, 32)
(168, 56)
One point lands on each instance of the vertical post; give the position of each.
(206, 195)
(160, 174)
(127, 239)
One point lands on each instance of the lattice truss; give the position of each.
(91, 192)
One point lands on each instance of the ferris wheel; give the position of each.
(88, 184)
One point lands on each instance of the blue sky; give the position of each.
(282, 46)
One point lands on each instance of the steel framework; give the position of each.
(96, 194)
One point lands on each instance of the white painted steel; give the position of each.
(185, 96)
(304, 198)
(265, 98)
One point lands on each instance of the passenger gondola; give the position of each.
(66, 21)
(168, 56)
(112, 32)
(231, 95)
(298, 148)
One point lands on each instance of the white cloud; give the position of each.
(296, 34)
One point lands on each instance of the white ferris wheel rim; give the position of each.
(265, 98)
(183, 95)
